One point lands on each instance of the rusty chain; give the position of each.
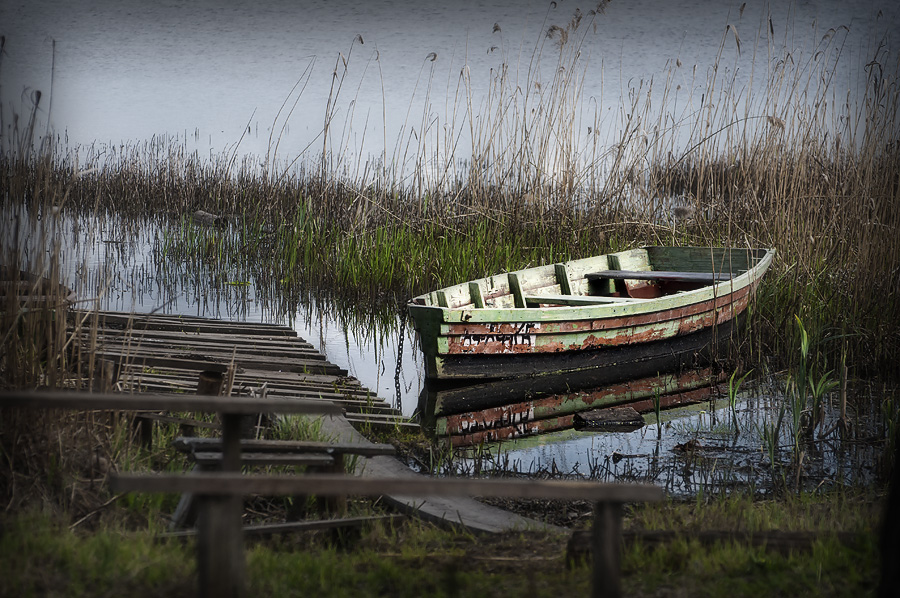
(399, 403)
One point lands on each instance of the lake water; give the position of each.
(215, 74)
(708, 448)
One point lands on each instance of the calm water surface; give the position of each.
(124, 71)
(699, 448)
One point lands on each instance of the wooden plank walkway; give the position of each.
(164, 353)
(450, 511)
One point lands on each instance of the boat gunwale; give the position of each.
(470, 314)
(687, 311)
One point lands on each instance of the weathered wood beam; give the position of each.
(165, 402)
(183, 443)
(270, 529)
(237, 484)
(699, 277)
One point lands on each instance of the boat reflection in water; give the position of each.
(530, 351)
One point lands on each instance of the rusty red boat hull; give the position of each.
(677, 371)
(575, 316)
(606, 368)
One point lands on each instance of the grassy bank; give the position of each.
(41, 555)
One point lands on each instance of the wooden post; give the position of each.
(231, 442)
(106, 375)
(191, 507)
(220, 545)
(220, 554)
(210, 383)
(337, 505)
(606, 540)
(142, 428)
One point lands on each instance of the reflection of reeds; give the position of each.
(32, 318)
(786, 166)
(36, 352)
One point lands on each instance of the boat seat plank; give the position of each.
(515, 288)
(579, 299)
(698, 277)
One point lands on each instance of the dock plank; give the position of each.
(220, 352)
(61, 399)
(217, 362)
(185, 323)
(163, 354)
(248, 345)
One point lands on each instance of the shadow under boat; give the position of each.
(672, 372)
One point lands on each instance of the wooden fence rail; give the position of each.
(220, 548)
(607, 498)
(220, 545)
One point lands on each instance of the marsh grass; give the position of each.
(729, 567)
(43, 557)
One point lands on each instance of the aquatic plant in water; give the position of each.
(733, 390)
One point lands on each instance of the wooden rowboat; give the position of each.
(522, 353)
(597, 312)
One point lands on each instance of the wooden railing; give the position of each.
(606, 531)
(220, 557)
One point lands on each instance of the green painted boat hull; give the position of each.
(575, 316)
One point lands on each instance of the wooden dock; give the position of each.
(165, 353)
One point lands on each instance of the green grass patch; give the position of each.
(828, 567)
(686, 568)
(40, 556)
